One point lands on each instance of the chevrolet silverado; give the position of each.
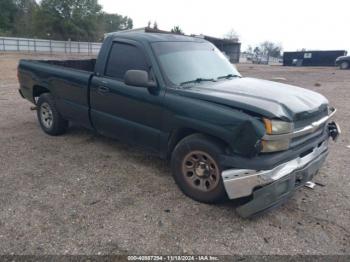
(226, 136)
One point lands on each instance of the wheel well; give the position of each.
(179, 134)
(38, 91)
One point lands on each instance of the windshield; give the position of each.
(185, 62)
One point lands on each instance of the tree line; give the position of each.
(266, 48)
(77, 20)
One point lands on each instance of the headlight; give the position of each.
(277, 127)
(274, 145)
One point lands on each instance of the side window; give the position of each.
(124, 57)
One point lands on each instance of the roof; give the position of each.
(154, 37)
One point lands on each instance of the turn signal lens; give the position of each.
(277, 127)
(268, 126)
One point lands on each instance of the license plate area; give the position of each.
(307, 173)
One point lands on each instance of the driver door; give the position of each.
(128, 113)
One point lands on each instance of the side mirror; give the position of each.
(138, 78)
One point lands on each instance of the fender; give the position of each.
(242, 132)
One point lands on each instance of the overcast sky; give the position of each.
(296, 24)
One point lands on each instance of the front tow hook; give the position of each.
(334, 130)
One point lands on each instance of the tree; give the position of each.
(8, 11)
(80, 20)
(257, 51)
(24, 18)
(271, 49)
(115, 22)
(177, 30)
(249, 49)
(155, 25)
(232, 35)
(68, 19)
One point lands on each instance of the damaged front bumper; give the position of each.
(268, 188)
(275, 193)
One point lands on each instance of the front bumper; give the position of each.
(277, 192)
(270, 187)
(241, 182)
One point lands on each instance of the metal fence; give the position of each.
(261, 59)
(12, 44)
(31, 45)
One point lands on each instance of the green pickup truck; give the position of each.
(226, 136)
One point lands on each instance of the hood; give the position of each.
(342, 57)
(266, 98)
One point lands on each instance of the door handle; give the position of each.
(103, 89)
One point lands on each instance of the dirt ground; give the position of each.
(85, 194)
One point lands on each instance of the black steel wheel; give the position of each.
(196, 168)
(200, 171)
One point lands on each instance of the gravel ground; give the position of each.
(85, 194)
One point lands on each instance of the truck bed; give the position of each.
(67, 80)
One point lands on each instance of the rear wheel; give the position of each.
(49, 118)
(196, 168)
(344, 65)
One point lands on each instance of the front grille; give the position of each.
(312, 117)
(296, 141)
(306, 121)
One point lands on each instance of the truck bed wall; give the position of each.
(85, 65)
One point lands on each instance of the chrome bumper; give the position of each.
(241, 182)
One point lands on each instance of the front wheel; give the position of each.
(196, 168)
(344, 65)
(49, 118)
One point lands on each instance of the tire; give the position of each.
(49, 118)
(344, 65)
(196, 169)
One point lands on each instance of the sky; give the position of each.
(295, 24)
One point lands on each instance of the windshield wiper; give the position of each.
(198, 80)
(228, 76)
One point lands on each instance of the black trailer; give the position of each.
(312, 58)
